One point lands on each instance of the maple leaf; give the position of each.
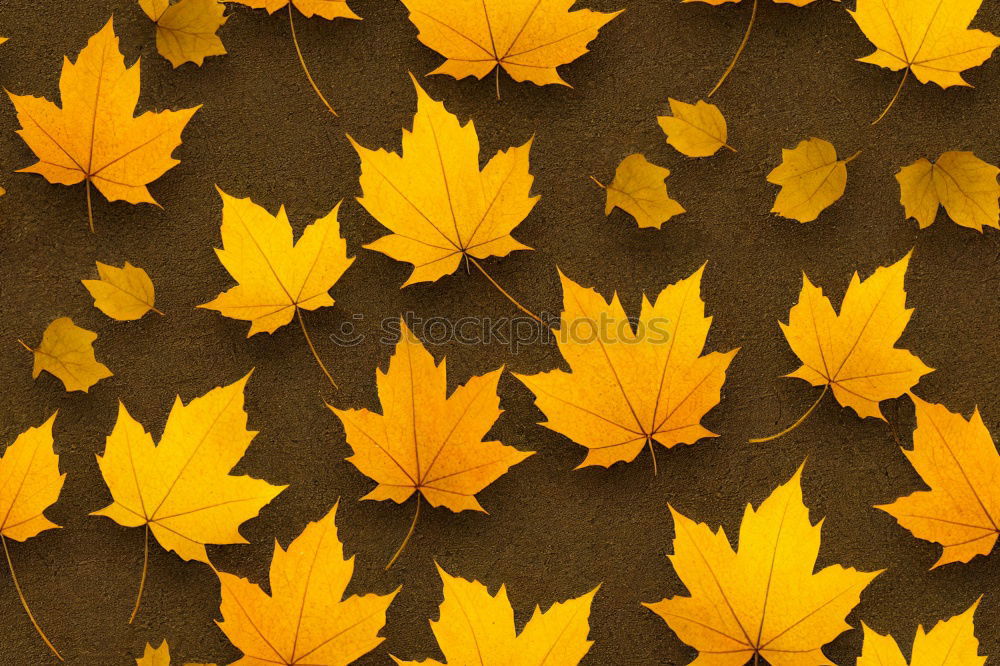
(425, 441)
(305, 619)
(930, 38)
(67, 352)
(159, 656)
(961, 182)
(628, 387)
(31, 483)
(94, 137)
(529, 39)
(639, 190)
(185, 30)
(951, 642)
(277, 278)
(475, 626)
(763, 600)
(433, 197)
(328, 9)
(811, 179)
(957, 459)
(695, 130)
(180, 490)
(124, 293)
(853, 352)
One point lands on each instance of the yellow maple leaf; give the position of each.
(695, 130)
(930, 38)
(951, 642)
(811, 179)
(957, 459)
(277, 278)
(476, 627)
(305, 619)
(124, 293)
(628, 387)
(433, 197)
(853, 352)
(31, 483)
(639, 190)
(328, 9)
(185, 30)
(159, 656)
(961, 182)
(180, 490)
(67, 352)
(529, 39)
(426, 442)
(763, 600)
(94, 137)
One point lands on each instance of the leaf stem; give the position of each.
(142, 579)
(24, 602)
(504, 292)
(759, 440)
(739, 51)
(406, 539)
(852, 157)
(599, 183)
(652, 452)
(90, 209)
(497, 70)
(322, 366)
(25, 345)
(302, 61)
(906, 75)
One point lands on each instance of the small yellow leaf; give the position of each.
(854, 352)
(762, 601)
(124, 293)
(159, 656)
(276, 277)
(529, 39)
(185, 30)
(959, 462)
(951, 642)
(31, 483)
(811, 179)
(181, 489)
(435, 199)
(961, 182)
(67, 351)
(639, 190)
(696, 130)
(476, 627)
(328, 9)
(631, 383)
(305, 619)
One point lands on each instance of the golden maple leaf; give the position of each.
(185, 30)
(957, 459)
(639, 190)
(31, 483)
(67, 352)
(961, 182)
(124, 293)
(628, 387)
(305, 619)
(811, 179)
(951, 642)
(425, 441)
(763, 600)
(94, 136)
(476, 627)
(529, 39)
(695, 130)
(328, 9)
(277, 278)
(930, 38)
(853, 352)
(159, 656)
(433, 197)
(180, 490)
